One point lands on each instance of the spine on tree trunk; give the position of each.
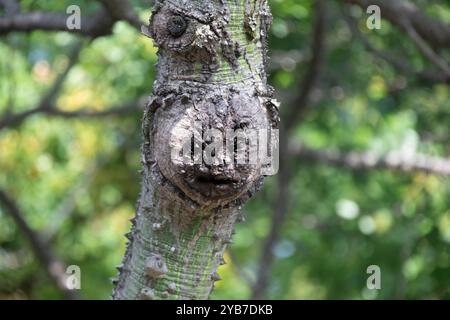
(210, 77)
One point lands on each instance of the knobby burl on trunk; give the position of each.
(211, 70)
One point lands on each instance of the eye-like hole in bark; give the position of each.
(177, 26)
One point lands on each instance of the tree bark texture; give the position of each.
(211, 70)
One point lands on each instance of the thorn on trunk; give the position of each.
(215, 276)
(227, 240)
(119, 267)
(146, 31)
(129, 236)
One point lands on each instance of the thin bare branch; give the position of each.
(93, 26)
(314, 67)
(123, 10)
(47, 100)
(44, 253)
(279, 213)
(96, 25)
(123, 109)
(52, 94)
(426, 50)
(394, 161)
(401, 65)
(403, 13)
(281, 204)
(47, 104)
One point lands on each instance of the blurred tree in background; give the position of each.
(364, 172)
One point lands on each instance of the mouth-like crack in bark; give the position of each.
(212, 186)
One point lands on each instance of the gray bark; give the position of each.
(211, 70)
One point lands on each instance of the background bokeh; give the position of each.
(76, 178)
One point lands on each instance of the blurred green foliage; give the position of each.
(77, 180)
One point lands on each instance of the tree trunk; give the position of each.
(211, 75)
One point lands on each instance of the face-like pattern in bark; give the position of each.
(185, 121)
(195, 52)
